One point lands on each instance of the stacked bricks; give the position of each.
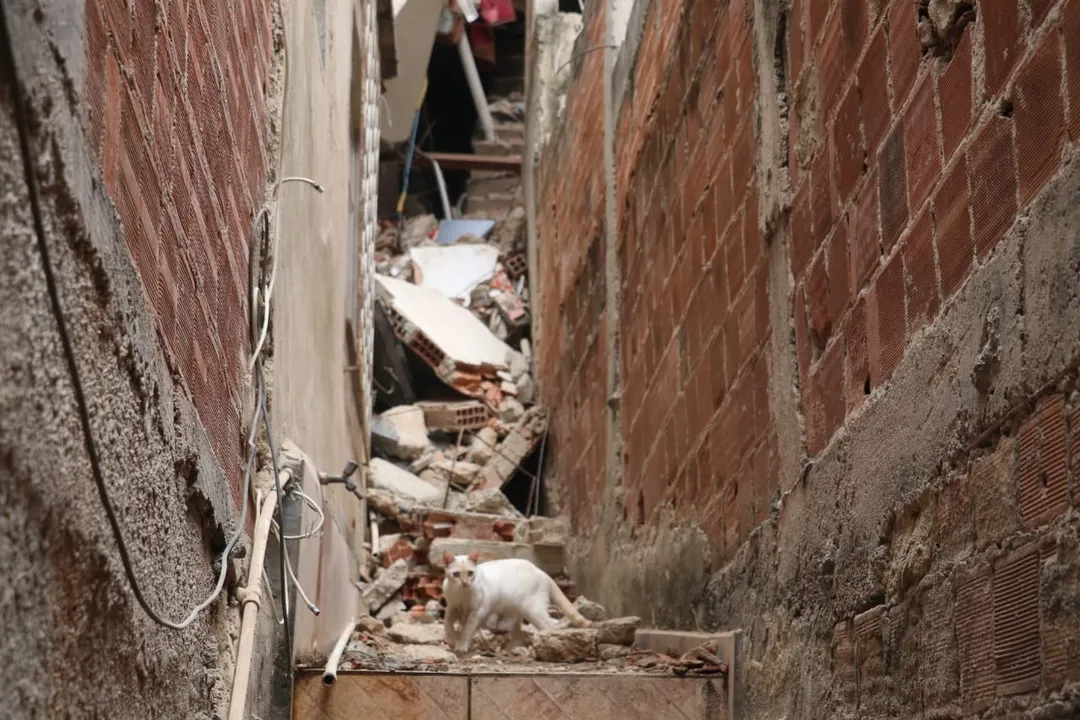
(907, 165)
(176, 114)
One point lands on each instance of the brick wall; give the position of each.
(176, 112)
(902, 169)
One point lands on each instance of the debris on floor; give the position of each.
(453, 300)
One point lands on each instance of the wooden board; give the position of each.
(382, 696)
(552, 696)
(595, 697)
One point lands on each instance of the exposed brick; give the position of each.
(923, 143)
(952, 228)
(821, 199)
(920, 272)
(905, 51)
(1044, 475)
(1001, 40)
(974, 638)
(992, 174)
(864, 238)
(831, 374)
(874, 91)
(802, 243)
(1016, 622)
(886, 328)
(853, 28)
(857, 383)
(816, 11)
(954, 94)
(892, 186)
(847, 145)
(1040, 118)
(817, 300)
(97, 51)
(830, 65)
(993, 483)
(837, 253)
(110, 166)
(1070, 33)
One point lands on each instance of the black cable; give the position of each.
(19, 103)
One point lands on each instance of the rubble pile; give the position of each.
(459, 419)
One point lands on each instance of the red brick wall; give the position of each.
(906, 172)
(176, 112)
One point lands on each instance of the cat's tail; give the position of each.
(566, 607)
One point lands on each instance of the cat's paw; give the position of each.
(460, 648)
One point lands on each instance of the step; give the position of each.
(498, 692)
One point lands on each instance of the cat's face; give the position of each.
(461, 569)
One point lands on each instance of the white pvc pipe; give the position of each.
(251, 597)
(330, 673)
(477, 90)
(441, 182)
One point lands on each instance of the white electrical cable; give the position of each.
(267, 291)
(317, 530)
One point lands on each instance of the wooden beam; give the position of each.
(460, 161)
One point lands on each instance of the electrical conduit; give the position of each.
(330, 673)
(250, 599)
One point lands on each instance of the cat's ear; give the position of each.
(474, 556)
(448, 558)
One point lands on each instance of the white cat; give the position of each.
(513, 590)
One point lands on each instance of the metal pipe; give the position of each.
(441, 182)
(330, 673)
(477, 90)
(250, 599)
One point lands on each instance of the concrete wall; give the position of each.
(314, 397)
(847, 357)
(127, 157)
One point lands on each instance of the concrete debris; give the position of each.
(457, 472)
(591, 611)
(455, 343)
(409, 633)
(513, 450)
(454, 270)
(385, 586)
(490, 501)
(391, 609)
(401, 433)
(612, 652)
(543, 530)
(371, 626)
(417, 230)
(482, 446)
(572, 645)
(617, 631)
(427, 653)
(401, 484)
(510, 411)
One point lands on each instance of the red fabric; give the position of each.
(482, 40)
(497, 12)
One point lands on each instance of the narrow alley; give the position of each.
(512, 359)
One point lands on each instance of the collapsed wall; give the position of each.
(849, 249)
